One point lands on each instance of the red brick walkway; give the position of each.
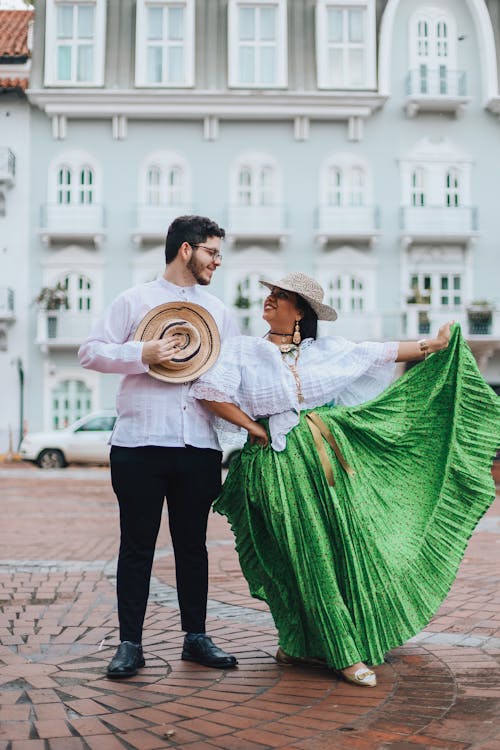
(58, 542)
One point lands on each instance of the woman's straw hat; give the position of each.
(308, 289)
(197, 334)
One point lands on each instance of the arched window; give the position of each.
(334, 187)
(245, 187)
(86, 186)
(70, 400)
(174, 186)
(256, 185)
(433, 52)
(153, 180)
(346, 293)
(452, 189)
(78, 290)
(346, 186)
(418, 187)
(165, 184)
(422, 38)
(72, 180)
(64, 185)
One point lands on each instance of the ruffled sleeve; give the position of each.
(222, 382)
(369, 368)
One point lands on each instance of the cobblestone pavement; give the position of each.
(58, 544)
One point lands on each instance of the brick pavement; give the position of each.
(58, 543)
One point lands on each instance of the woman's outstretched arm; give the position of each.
(414, 350)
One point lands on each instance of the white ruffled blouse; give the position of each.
(253, 374)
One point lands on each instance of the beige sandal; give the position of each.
(362, 676)
(298, 661)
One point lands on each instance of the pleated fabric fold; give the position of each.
(354, 570)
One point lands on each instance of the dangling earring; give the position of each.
(296, 338)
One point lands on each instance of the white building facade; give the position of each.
(15, 234)
(351, 140)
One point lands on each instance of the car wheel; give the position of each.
(51, 459)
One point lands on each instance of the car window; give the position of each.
(98, 424)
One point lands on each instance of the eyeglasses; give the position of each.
(215, 254)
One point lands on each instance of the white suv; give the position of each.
(85, 441)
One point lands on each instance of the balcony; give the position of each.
(7, 312)
(438, 224)
(424, 320)
(66, 222)
(62, 329)
(7, 167)
(256, 223)
(352, 223)
(152, 222)
(439, 90)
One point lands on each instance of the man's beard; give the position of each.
(196, 269)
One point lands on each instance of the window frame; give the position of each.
(322, 67)
(99, 38)
(233, 73)
(141, 80)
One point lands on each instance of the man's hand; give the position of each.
(159, 350)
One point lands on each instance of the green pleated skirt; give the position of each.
(352, 571)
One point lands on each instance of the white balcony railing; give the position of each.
(256, 221)
(152, 222)
(7, 166)
(439, 221)
(435, 90)
(67, 221)
(62, 328)
(348, 222)
(7, 309)
(421, 320)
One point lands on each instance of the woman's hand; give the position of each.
(444, 333)
(258, 434)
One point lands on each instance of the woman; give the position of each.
(350, 521)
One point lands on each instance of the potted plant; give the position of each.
(241, 302)
(480, 316)
(417, 297)
(53, 297)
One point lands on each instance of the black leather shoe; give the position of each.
(202, 650)
(126, 661)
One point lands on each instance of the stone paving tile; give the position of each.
(58, 630)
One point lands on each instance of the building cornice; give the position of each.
(265, 105)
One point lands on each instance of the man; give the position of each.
(163, 446)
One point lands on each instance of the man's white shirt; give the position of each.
(150, 411)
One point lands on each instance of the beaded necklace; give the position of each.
(293, 350)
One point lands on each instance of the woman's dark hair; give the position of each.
(309, 324)
(191, 229)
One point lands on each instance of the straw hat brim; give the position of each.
(324, 312)
(198, 335)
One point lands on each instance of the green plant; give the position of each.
(241, 302)
(53, 298)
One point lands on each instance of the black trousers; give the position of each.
(189, 479)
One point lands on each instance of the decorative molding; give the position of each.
(355, 129)
(119, 126)
(233, 105)
(301, 128)
(211, 128)
(59, 127)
